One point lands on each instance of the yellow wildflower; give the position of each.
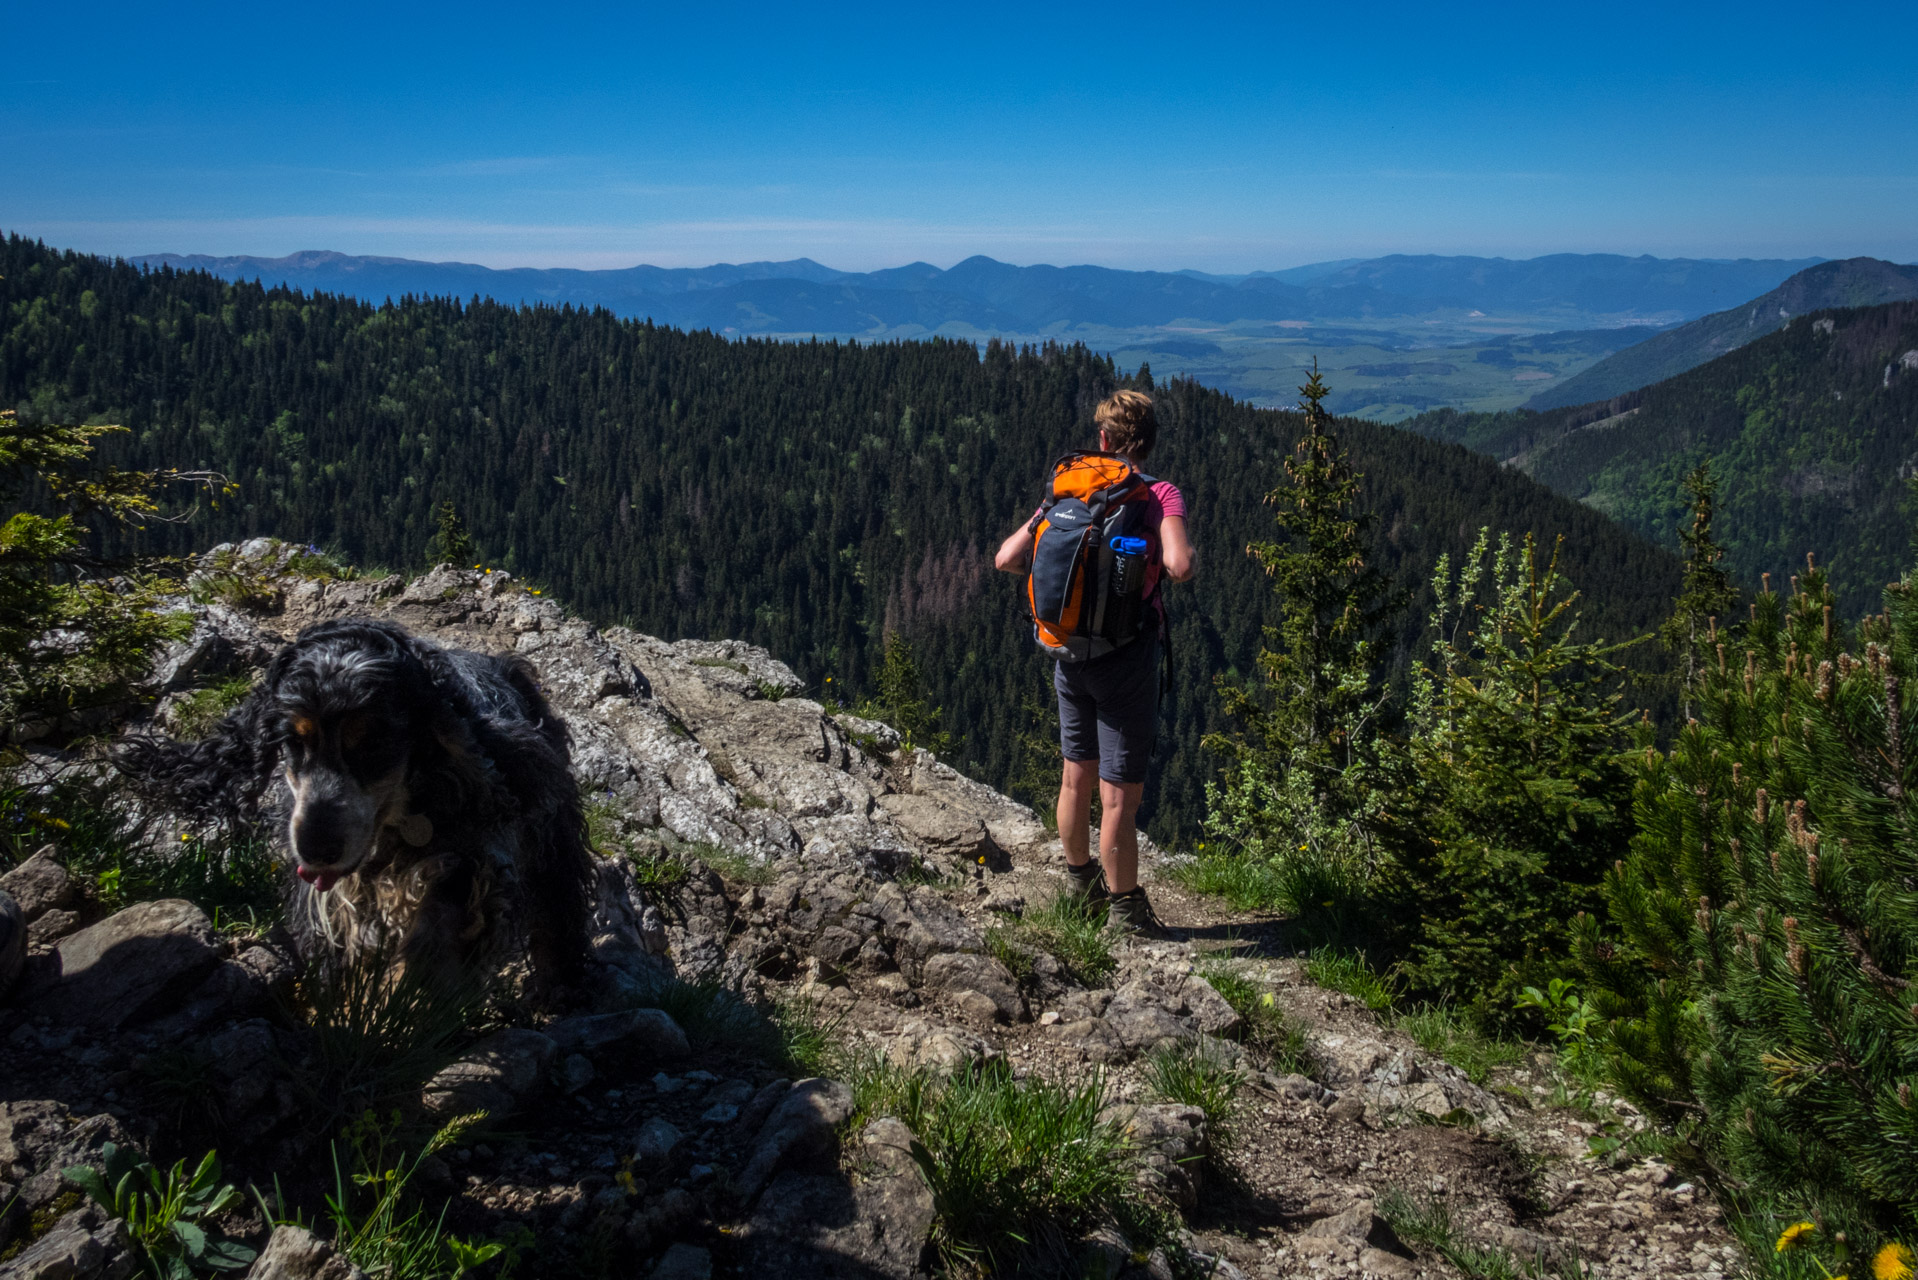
(1789, 1237)
(1893, 1262)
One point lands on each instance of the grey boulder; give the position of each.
(135, 964)
(801, 1126)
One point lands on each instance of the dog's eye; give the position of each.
(354, 728)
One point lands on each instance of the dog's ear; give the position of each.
(223, 775)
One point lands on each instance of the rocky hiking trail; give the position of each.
(895, 910)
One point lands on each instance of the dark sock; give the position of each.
(1086, 872)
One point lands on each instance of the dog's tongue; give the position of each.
(320, 880)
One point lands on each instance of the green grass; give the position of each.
(377, 1040)
(738, 868)
(1443, 1031)
(1319, 886)
(1069, 929)
(1015, 1166)
(1427, 1221)
(1350, 972)
(1265, 1025)
(1196, 1075)
(1250, 884)
(195, 715)
(232, 877)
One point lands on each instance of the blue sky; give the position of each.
(1226, 139)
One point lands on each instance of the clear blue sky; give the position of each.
(1224, 139)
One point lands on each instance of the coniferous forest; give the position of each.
(1809, 429)
(809, 497)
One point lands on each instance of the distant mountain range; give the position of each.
(1812, 430)
(1851, 282)
(988, 297)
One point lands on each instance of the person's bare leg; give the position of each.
(1075, 809)
(1119, 833)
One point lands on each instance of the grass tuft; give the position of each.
(1197, 1075)
(1441, 1030)
(195, 715)
(1266, 1027)
(1350, 972)
(1067, 928)
(1426, 1221)
(1014, 1165)
(377, 1039)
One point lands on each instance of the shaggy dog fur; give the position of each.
(430, 805)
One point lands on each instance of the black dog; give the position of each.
(433, 812)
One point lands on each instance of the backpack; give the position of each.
(1092, 541)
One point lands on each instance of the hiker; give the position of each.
(1094, 554)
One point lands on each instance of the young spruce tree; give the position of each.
(1518, 799)
(1306, 752)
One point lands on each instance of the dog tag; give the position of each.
(416, 829)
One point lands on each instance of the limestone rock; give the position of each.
(939, 1049)
(652, 1031)
(815, 1225)
(40, 884)
(49, 927)
(1171, 1140)
(83, 1245)
(800, 1126)
(41, 1139)
(133, 965)
(939, 827)
(959, 973)
(294, 1253)
(657, 1142)
(684, 1262)
(492, 1076)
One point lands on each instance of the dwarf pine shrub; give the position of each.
(1759, 979)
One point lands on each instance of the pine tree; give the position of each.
(1518, 799)
(1707, 593)
(1760, 978)
(1309, 730)
(450, 544)
(75, 630)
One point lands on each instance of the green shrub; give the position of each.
(72, 635)
(1518, 799)
(1756, 984)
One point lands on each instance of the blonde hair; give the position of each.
(1130, 425)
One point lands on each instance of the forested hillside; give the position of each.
(806, 497)
(1812, 431)
(1853, 282)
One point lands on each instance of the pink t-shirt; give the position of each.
(1166, 500)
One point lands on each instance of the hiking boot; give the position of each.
(1130, 915)
(1086, 885)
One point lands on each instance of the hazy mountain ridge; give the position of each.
(1812, 430)
(1849, 282)
(994, 296)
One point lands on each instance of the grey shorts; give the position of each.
(1109, 709)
